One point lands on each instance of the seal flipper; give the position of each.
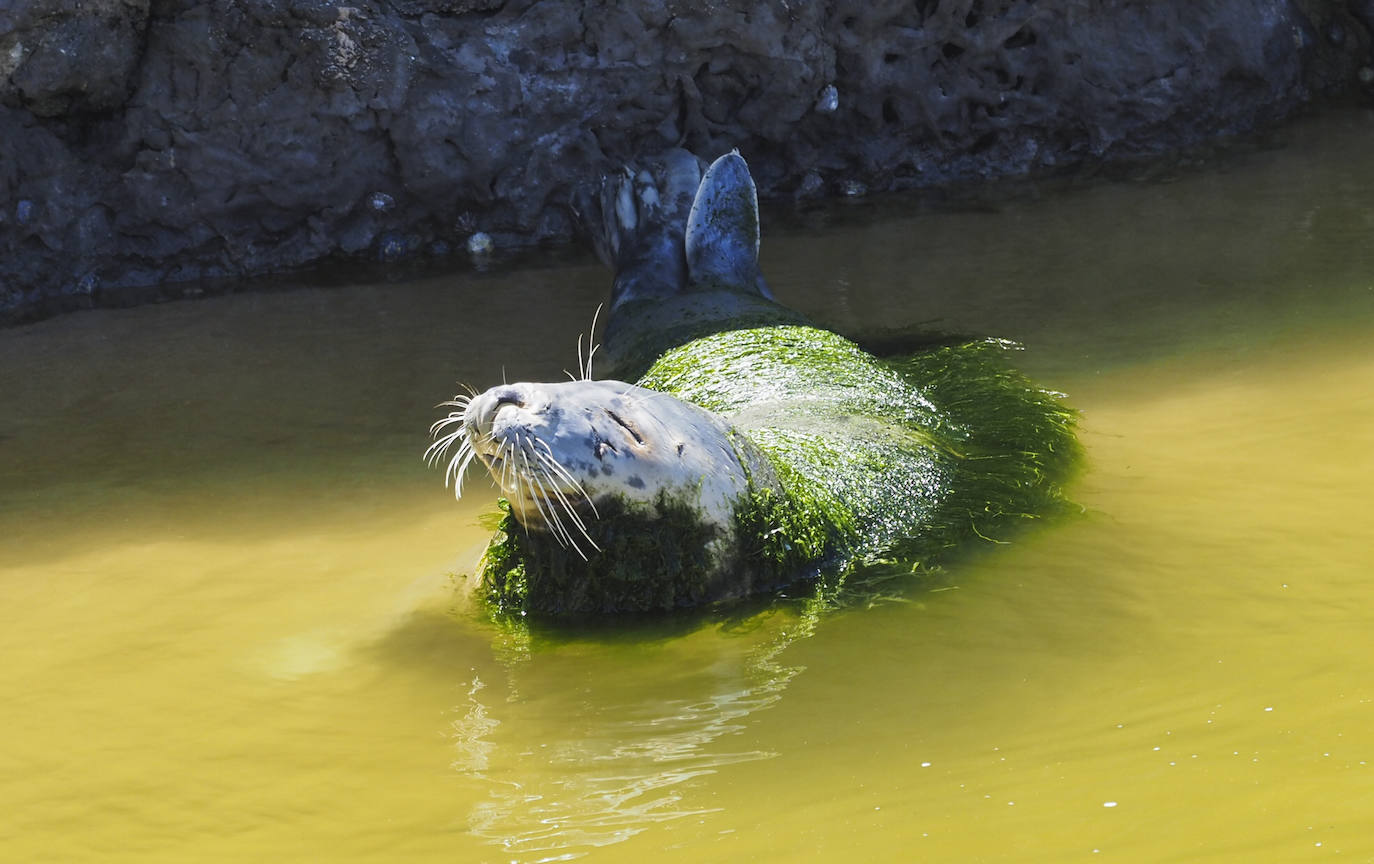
(680, 274)
(640, 232)
(722, 237)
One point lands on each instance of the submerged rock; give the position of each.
(243, 138)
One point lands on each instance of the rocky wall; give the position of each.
(156, 142)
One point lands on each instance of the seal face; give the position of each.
(560, 450)
(755, 449)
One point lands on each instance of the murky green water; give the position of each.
(229, 632)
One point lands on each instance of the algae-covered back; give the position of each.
(912, 455)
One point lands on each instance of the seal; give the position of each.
(754, 450)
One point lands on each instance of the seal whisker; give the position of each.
(552, 468)
(436, 451)
(539, 505)
(507, 464)
(584, 367)
(439, 449)
(552, 461)
(527, 491)
(590, 355)
(574, 518)
(563, 499)
(471, 392)
(551, 520)
(458, 466)
(556, 471)
(556, 526)
(518, 446)
(440, 424)
(532, 483)
(591, 346)
(459, 471)
(509, 479)
(462, 472)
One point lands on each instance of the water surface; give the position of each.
(230, 625)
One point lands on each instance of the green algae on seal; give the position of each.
(754, 450)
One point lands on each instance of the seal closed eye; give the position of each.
(626, 426)
(754, 450)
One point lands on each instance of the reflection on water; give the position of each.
(613, 767)
(231, 628)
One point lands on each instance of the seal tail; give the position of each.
(722, 237)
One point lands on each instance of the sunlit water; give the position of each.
(230, 629)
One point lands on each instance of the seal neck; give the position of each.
(639, 332)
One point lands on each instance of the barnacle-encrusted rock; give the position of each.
(183, 139)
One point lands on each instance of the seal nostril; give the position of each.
(509, 397)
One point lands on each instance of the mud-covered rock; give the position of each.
(178, 140)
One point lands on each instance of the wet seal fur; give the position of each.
(755, 450)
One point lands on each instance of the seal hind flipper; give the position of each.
(722, 231)
(688, 265)
(643, 211)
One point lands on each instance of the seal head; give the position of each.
(625, 498)
(562, 451)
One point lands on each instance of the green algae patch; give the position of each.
(788, 533)
(650, 558)
(502, 569)
(910, 457)
(734, 371)
(1008, 452)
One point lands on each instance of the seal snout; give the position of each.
(494, 413)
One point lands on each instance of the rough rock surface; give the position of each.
(173, 141)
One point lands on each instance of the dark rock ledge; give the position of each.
(145, 142)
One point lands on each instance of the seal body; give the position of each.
(754, 449)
